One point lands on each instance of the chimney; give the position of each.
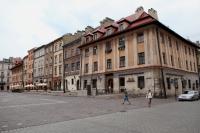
(89, 29)
(153, 13)
(139, 11)
(106, 21)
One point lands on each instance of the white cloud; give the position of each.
(26, 24)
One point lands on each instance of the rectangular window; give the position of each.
(189, 83)
(172, 60)
(94, 83)
(55, 59)
(186, 64)
(194, 67)
(170, 41)
(60, 58)
(78, 65)
(65, 54)
(122, 61)
(60, 69)
(86, 68)
(95, 36)
(109, 64)
(122, 42)
(197, 84)
(168, 83)
(141, 82)
(72, 67)
(94, 50)
(85, 84)
(72, 52)
(108, 47)
(66, 68)
(86, 52)
(55, 70)
(95, 66)
(190, 65)
(162, 38)
(72, 80)
(121, 27)
(140, 37)
(164, 58)
(108, 32)
(141, 58)
(122, 82)
(179, 62)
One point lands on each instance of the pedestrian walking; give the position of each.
(149, 96)
(126, 97)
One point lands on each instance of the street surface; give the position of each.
(31, 113)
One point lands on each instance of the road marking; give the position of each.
(4, 126)
(51, 100)
(19, 124)
(29, 105)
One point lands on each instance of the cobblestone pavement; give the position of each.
(21, 112)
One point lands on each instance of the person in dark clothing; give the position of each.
(126, 97)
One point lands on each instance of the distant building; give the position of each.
(5, 73)
(38, 67)
(17, 76)
(72, 62)
(48, 69)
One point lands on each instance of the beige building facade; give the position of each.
(58, 64)
(48, 70)
(138, 53)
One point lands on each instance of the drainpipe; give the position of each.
(161, 69)
(63, 71)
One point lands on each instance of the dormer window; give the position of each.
(95, 36)
(109, 31)
(87, 39)
(121, 27)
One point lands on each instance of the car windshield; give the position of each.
(188, 92)
(185, 92)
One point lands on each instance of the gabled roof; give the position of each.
(114, 25)
(143, 20)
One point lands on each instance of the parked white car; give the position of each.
(189, 95)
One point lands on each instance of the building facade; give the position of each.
(25, 71)
(58, 64)
(49, 56)
(38, 67)
(30, 63)
(138, 53)
(17, 76)
(72, 64)
(5, 74)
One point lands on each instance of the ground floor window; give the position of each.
(168, 83)
(94, 83)
(141, 82)
(121, 81)
(85, 84)
(189, 83)
(197, 84)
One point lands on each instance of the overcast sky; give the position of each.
(25, 24)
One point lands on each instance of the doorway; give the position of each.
(109, 84)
